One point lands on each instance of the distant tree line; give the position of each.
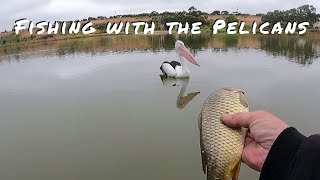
(191, 15)
(300, 14)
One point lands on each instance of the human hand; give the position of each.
(264, 128)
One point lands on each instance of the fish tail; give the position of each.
(234, 171)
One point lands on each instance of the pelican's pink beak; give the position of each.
(183, 51)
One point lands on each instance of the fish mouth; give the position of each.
(242, 98)
(235, 90)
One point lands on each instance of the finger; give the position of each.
(249, 135)
(254, 155)
(248, 141)
(238, 120)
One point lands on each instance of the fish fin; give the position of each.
(236, 171)
(204, 161)
(203, 154)
(200, 122)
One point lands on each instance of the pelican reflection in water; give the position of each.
(182, 100)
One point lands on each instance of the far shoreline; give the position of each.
(48, 38)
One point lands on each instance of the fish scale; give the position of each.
(221, 146)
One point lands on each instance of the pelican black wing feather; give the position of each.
(164, 73)
(174, 64)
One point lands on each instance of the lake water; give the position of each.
(96, 108)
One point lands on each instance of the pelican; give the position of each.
(182, 100)
(179, 69)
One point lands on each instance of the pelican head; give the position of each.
(178, 44)
(182, 50)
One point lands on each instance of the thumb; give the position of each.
(238, 120)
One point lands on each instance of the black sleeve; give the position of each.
(293, 157)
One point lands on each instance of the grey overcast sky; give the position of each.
(51, 10)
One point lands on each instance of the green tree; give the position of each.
(306, 9)
(101, 17)
(101, 27)
(154, 13)
(195, 13)
(166, 13)
(216, 12)
(91, 18)
(224, 12)
(192, 9)
(231, 18)
(300, 14)
(193, 19)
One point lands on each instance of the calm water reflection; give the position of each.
(300, 49)
(96, 108)
(182, 99)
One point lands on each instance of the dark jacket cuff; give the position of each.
(281, 154)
